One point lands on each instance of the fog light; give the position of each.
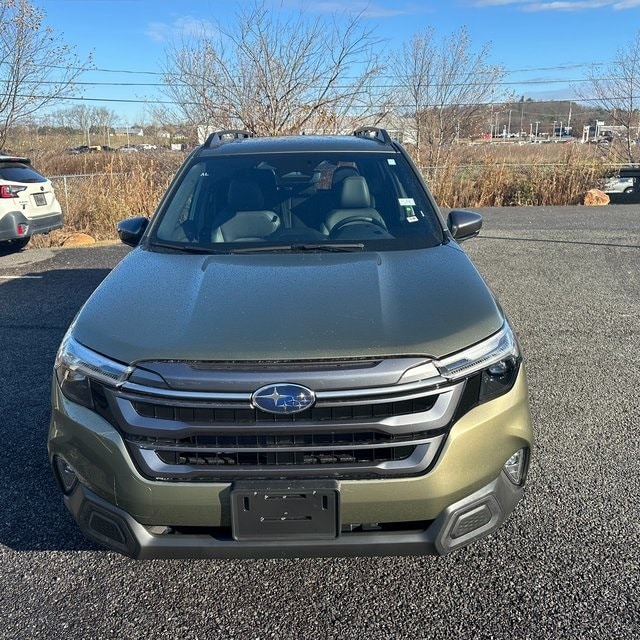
(516, 466)
(66, 474)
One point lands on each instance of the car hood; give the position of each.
(168, 306)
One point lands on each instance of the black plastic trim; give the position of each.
(218, 137)
(500, 496)
(380, 135)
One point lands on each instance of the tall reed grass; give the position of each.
(516, 175)
(97, 190)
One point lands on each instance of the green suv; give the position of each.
(297, 359)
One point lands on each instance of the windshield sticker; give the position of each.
(391, 161)
(407, 202)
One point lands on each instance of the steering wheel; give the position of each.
(351, 220)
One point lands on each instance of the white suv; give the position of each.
(28, 204)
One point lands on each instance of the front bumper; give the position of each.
(469, 519)
(464, 496)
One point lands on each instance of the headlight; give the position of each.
(76, 366)
(496, 359)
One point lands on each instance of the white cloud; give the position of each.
(367, 9)
(560, 5)
(567, 5)
(497, 3)
(183, 26)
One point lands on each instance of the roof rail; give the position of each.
(374, 133)
(218, 137)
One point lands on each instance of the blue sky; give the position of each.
(546, 46)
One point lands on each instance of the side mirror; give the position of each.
(464, 224)
(131, 230)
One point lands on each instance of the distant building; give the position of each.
(129, 131)
(603, 132)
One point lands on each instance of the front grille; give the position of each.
(347, 412)
(357, 432)
(284, 458)
(265, 450)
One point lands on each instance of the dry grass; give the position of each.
(115, 186)
(514, 175)
(97, 190)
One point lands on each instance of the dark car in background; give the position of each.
(624, 187)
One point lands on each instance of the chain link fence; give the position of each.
(72, 190)
(93, 203)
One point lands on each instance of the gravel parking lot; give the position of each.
(566, 564)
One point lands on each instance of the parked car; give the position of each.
(625, 182)
(128, 148)
(28, 204)
(83, 148)
(297, 359)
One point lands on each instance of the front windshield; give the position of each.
(288, 201)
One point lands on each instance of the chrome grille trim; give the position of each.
(284, 449)
(421, 388)
(218, 436)
(418, 461)
(435, 418)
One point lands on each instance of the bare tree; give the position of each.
(273, 74)
(442, 86)
(83, 118)
(616, 90)
(35, 69)
(105, 120)
(173, 124)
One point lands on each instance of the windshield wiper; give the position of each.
(183, 248)
(302, 247)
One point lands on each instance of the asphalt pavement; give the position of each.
(565, 565)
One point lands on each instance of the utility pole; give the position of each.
(509, 125)
(537, 123)
(491, 132)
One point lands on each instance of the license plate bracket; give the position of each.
(282, 510)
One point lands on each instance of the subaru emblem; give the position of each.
(283, 398)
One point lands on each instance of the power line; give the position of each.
(76, 83)
(504, 106)
(564, 67)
